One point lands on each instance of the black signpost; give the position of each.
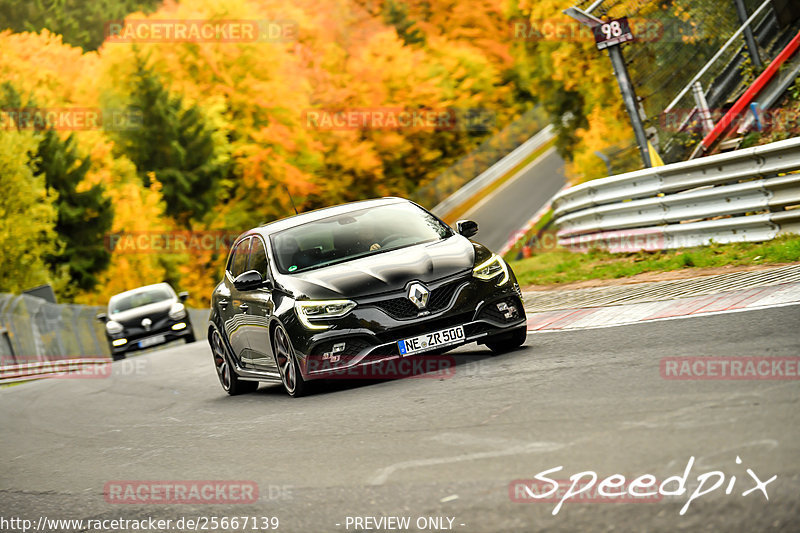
(610, 35)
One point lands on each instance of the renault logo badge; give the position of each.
(418, 294)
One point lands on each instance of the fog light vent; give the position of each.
(509, 311)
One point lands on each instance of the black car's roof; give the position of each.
(318, 214)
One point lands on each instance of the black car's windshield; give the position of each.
(356, 234)
(124, 302)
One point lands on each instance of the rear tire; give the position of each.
(288, 367)
(508, 341)
(227, 375)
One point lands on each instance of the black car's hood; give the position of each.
(384, 272)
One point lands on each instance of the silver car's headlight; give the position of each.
(177, 311)
(113, 327)
(492, 268)
(309, 311)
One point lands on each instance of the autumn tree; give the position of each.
(173, 144)
(27, 216)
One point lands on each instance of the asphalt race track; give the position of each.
(584, 400)
(520, 198)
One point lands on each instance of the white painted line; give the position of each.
(532, 447)
(682, 317)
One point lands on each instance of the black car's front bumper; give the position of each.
(371, 331)
(139, 335)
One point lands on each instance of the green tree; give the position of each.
(81, 23)
(84, 216)
(175, 145)
(27, 216)
(395, 13)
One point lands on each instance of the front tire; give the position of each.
(286, 360)
(227, 375)
(508, 342)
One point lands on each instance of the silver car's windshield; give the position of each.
(356, 234)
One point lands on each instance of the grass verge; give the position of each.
(561, 266)
(515, 250)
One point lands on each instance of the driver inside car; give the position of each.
(369, 238)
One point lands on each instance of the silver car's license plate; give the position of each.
(152, 341)
(428, 341)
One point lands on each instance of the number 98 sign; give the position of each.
(612, 33)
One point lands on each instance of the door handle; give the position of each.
(223, 303)
(244, 307)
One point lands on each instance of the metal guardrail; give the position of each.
(41, 339)
(732, 197)
(495, 172)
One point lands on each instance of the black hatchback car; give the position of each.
(305, 297)
(144, 317)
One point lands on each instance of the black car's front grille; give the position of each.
(402, 308)
(398, 308)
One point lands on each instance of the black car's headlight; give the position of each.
(311, 311)
(177, 311)
(492, 268)
(113, 327)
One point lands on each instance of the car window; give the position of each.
(258, 257)
(355, 234)
(240, 257)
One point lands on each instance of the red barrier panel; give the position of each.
(752, 92)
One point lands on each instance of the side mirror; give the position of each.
(102, 317)
(248, 280)
(467, 228)
(182, 296)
